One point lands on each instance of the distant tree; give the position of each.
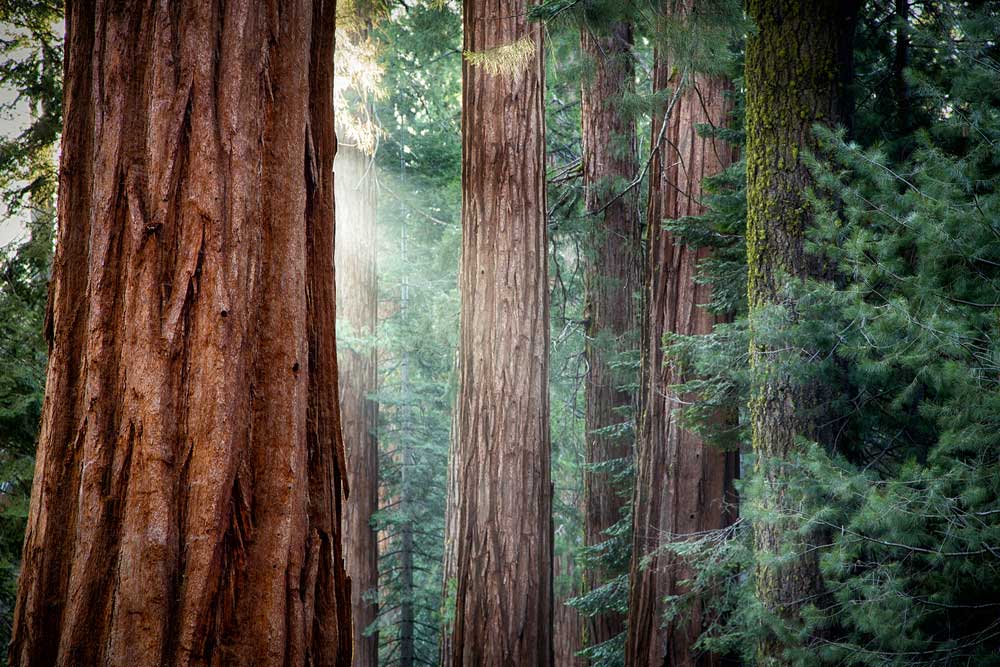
(188, 486)
(356, 86)
(613, 262)
(32, 72)
(24, 271)
(32, 69)
(684, 486)
(503, 601)
(419, 180)
(357, 306)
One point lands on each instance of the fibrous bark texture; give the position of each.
(794, 75)
(503, 603)
(357, 309)
(611, 277)
(187, 492)
(683, 485)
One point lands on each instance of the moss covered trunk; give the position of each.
(795, 70)
(683, 485)
(187, 494)
(611, 278)
(357, 311)
(503, 601)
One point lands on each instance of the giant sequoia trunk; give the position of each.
(683, 485)
(358, 310)
(611, 276)
(795, 67)
(503, 602)
(187, 494)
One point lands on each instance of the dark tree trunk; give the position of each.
(187, 496)
(795, 66)
(503, 603)
(901, 59)
(357, 303)
(611, 277)
(683, 485)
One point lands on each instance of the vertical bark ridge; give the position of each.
(189, 476)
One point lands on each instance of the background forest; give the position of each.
(894, 487)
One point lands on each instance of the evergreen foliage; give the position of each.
(31, 73)
(24, 272)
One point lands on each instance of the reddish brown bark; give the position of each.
(186, 504)
(683, 486)
(611, 277)
(503, 604)
(358, 311)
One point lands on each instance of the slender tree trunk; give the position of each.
(503, 604)
(357, 291)
(187, 494)
(900, 62)
(449, 565)
(683, 485)
(611, 277)
(794, 77)
(567, 623)
(405, 492)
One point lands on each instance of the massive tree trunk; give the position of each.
(358, 311)
(683, 485)
(187, 495)
(503, 603)
(794, 74)
(611, 277)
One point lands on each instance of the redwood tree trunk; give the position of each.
(795, 67)
(611, 277)
(683, 485)
(503, 605)
(357, 291)
(188, 485)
